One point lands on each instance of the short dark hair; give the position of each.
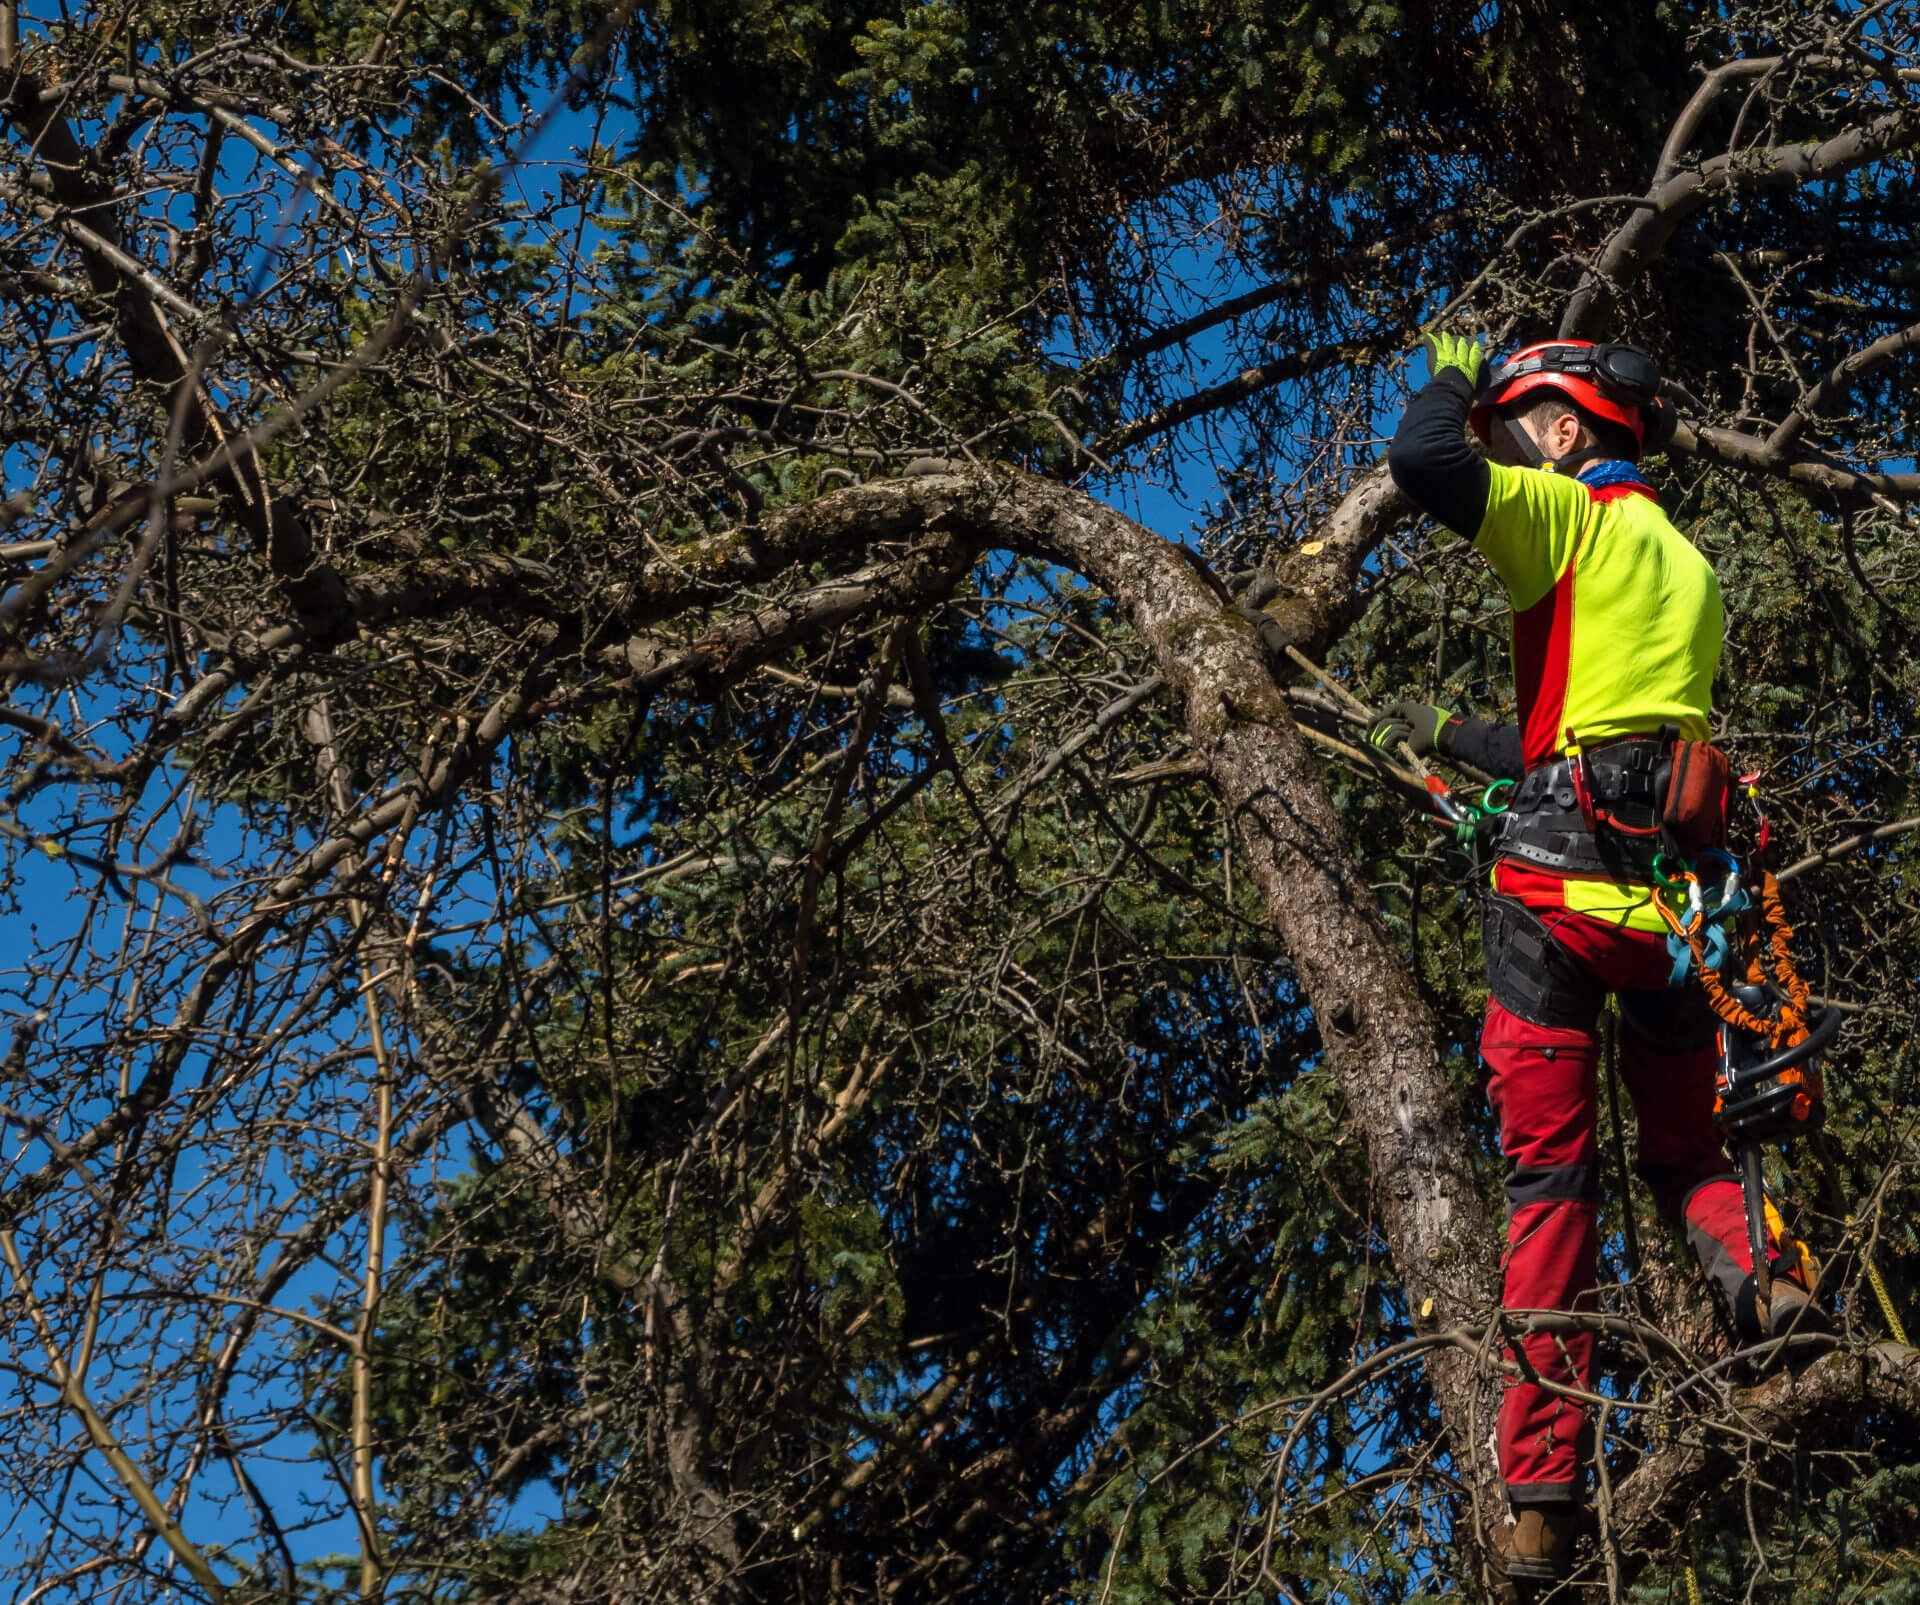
(1543, 406)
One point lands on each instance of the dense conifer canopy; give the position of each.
(658, 952)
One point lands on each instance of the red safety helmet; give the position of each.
(1616, 382)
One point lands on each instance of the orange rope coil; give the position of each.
(1791, 1025)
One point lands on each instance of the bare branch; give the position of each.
(1644, 235)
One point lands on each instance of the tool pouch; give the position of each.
(1693, 812)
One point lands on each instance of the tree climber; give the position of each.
(1617, 629)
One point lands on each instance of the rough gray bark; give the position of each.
(1381, 1039)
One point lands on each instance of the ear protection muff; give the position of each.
(1626, 374)
(1616, 383)
(1662, 419)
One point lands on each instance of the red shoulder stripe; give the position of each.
(1542, 655)
(1613, 493)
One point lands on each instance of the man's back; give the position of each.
(1617, 620)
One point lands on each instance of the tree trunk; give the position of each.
(1380, 1037)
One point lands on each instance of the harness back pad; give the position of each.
(1543, 825)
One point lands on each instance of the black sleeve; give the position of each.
(1431, 461)
(1492, 748)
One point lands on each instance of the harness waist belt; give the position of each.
(1543, 825)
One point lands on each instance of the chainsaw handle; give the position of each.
(1826, 1027)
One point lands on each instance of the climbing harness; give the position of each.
(1730, 931)
(1733, 937)
(1552, 822)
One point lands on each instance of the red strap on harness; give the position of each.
(1591, 813)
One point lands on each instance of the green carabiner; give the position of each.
(1665, 882)
(1475, 817)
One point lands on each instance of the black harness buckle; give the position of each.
(1549, 824)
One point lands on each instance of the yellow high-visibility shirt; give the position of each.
(1617, 630)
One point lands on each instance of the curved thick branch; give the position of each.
(1731, 449)
(1712, 87)
(1844, 376)
(1827, 1399)
(1319, 580)
(921, 577)
(1644, 235)
(1380, 1037)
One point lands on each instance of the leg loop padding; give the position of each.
(1533, 976)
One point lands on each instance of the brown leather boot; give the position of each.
(1540, 1547)
(1791, 1309)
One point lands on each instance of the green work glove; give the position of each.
(1420, 725)
(1453, 351)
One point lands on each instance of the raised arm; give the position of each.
(1430, 459)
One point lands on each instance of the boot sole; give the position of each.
(1526, 1569)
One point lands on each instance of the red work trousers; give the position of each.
(1542, 1085)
